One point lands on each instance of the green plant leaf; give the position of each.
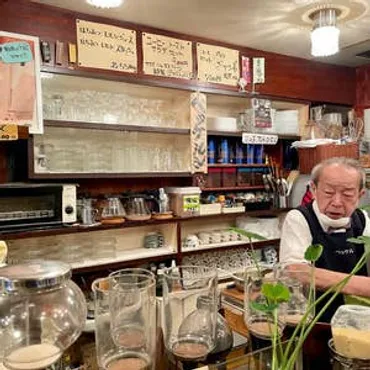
(263, 307)
(360, 240)
(276, 293)
(365, 207)
(248, 234)
(313, 252)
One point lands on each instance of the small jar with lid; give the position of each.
(42, 312)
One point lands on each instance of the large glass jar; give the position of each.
(42, 312)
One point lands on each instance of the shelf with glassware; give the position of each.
(213, 242)
(129, 131)
(130, 243)
(230, 244)
(101, 248)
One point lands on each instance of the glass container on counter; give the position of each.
(350, 328)
(125, 320)
(190, 312)
(42, 312)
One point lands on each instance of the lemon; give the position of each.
(3, 251)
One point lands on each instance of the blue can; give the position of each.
(258, 154)
(249, 154)
(239, 153)
(224, 151)
(211, 151)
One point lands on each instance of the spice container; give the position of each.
(214, 178)
(244, 177)
(185, 201)
(229, 177)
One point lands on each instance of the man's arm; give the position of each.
(295, 238)
(324, 279)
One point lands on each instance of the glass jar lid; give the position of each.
(34, 275)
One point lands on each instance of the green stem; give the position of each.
(254, 259)
(274, 337)
(302, 323)
(337, 290)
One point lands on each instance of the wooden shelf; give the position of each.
(106, 175)
(232, 165)
(30, 233)
(123, 257)
(233, 188)
(227, 245)
(116, 127)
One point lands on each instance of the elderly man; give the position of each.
(337, 185)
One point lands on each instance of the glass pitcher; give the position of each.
(190, 311)
(137, 208)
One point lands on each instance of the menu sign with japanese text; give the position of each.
(218, 64)
(106, 47)
(167, 56)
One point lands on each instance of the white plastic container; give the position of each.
(222, 124)
(184, 201)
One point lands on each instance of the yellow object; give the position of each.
(352, 343)
(3, 251)
(354, 299)
(8, 132)
(72, 53)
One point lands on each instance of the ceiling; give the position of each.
(281, 26)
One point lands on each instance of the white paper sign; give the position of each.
(258, 70)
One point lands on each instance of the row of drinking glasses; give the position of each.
(126, 325)
(72, 251)
(125, 313)
(126, 152)
(110, 108)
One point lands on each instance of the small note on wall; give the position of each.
(8, 132)
(218, 64)
(106, 47)
(167, 56)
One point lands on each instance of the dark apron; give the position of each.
(338, 254)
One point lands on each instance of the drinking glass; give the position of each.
(297, 279)
(125, 319)
(189, 328)
(260, 324)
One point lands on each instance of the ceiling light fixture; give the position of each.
(325, 34)
(105, 3)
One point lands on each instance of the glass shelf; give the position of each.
(91, 100)
(66, 150)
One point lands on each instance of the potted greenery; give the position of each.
(276, 293)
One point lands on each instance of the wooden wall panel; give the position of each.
(362, 88)
(287, 77)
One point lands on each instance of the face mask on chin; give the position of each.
(330, 222)
(336, 224)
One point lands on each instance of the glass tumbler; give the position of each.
(297, 279)
(189, 328)
(260, 324)
(125, 319)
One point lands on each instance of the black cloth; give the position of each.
(338, 254)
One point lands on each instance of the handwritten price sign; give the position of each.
(106, 47)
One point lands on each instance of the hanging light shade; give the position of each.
(325, 34)
(105, 3)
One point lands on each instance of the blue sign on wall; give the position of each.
(15, 52)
